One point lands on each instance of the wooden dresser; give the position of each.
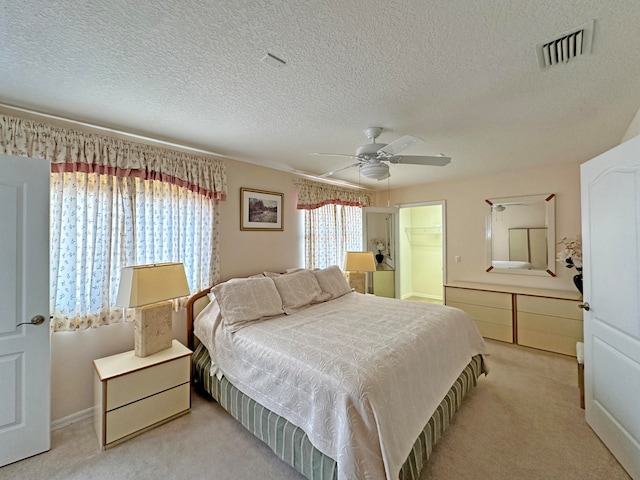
(533, 317)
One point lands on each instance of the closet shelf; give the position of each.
(435, 230)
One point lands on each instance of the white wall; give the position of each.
(465, 212)
(634, 128)
(244, 253)
(406, 259)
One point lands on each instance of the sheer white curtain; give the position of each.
(100, 223)
(116, 203)
(333, 221)
(330, 232)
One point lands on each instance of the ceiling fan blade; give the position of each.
(399, 145)
(328, 174)
(437, 160)
(334, 155)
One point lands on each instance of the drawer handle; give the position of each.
(585, 306)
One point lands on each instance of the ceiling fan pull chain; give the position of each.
(388, 193)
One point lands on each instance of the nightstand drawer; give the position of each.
(136, 416)
(143, 383)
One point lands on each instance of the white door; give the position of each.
(610, 185)
(380, 223)
(25, 364)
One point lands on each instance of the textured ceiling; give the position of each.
(462, 75)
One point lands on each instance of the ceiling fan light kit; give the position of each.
(375, 170)
(372, 155)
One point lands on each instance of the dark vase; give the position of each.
(379, 257)
(577, 280)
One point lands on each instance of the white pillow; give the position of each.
(244, 300)
(332, 281)
(204, 323)
(298, 290)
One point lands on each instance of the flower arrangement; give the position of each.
(379, 244)
(571, 254)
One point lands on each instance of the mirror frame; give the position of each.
(550, 220)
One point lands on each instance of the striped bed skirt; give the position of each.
(292, 445)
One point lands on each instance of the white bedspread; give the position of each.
(361, 375)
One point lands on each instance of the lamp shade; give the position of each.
(146, 284)
(359, 262)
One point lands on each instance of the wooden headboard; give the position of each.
(195, 304)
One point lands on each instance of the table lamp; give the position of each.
(357, 263)
(148, 289)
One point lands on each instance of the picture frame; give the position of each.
(261, 210)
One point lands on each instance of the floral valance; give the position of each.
(72, 151)
(316, 194)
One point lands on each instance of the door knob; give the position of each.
(36, 320)
(584, 306)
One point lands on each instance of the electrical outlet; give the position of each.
(458, 259)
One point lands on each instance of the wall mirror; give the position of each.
(521, 235)
(379, 235)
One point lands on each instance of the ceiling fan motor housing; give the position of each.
(370, 149)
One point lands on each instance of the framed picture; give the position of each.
(260, 210)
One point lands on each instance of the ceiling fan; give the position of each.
(372, 155)
(501, 207)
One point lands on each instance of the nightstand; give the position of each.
(133, 394)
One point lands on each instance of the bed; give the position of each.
(511, 264)
(330, 379)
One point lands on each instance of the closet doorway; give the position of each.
(422, 252)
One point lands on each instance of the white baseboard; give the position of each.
(73, 418)
(421, 295)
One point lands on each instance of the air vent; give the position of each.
(568, 45)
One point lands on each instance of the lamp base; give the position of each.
(153, 329)
(357, 281)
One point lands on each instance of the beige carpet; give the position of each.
(522, 422)
(437, 301)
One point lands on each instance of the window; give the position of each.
(100, 223)
(330, 231)
(116, 203)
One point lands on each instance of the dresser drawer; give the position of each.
(495, 323)
(566, 327)
(554, 307)
(495, 332)
(145, 382)
(137, 416)
(554, 334)
(551, 324)
(478, 297)
(498, 316)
